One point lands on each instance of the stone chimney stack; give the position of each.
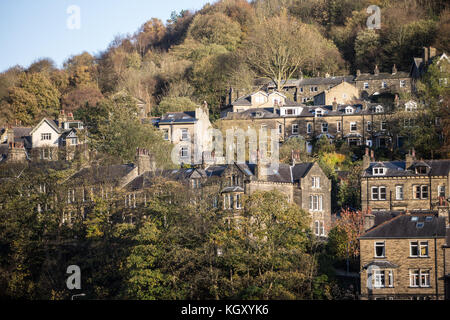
(366, 160)
(334, 105)
(61, 118)
(431, 52)
(358, 73)
(376, 71)
(369, 220)
(410, 158)
(145, 161)
(16, 152)
(394, 69)
(444, 211)
(425, 55)
(372, 156)
(10, 135)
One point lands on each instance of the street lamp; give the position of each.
(78, 295)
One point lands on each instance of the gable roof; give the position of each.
(50, 122)
(403, 226)
(398, 168)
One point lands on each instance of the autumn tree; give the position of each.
(276, 49)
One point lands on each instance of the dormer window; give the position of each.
(378, 109)
(349, 110)
(421, 170)
(379, 171)
(319, 113)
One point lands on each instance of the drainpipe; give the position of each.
(390, 200)
(429, 188)
(436, 267)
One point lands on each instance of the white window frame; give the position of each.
(379, 244)
(46, 136)
(351, 126)
(309, 127)
(184, 134)
(295, 128)
(324, 127)
(398, 192)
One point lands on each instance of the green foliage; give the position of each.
(174, 104)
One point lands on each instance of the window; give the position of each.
(238, 201)
(315, 182)
(379, 193)
(418, 249)
(196, 183)
(324, 127)
(309, 128)
(378, 171)
(383, 84)
(421, 170)
(315, 202)
(319, 229)
(391, 278)
(414, 278)
(421, 192)
(378, 109)
(295, 128)
(184, 134)
(369, 126)
(339, 126)
(71, 196)
(383, 125)
(402, 83)
(419, 278)
(408, 122)
(424, 278)
(166, 134)
(366, 85)
(353, 126)
(46, 136)
(349, 110)
(399, 193)
(280, 129)
(379, 250)
(441, 191)
(73, 141)
(378, 279)
(319, 113)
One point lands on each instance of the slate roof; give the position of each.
(382, 75)
(384, 264)
(102, 174)
(403, 226)
(315, 81)
(177, 117)
(284, 174)
(397, 168)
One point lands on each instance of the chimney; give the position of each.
(425, 56)
(410, 158)
(396, 100)
(366, 160)
(204, 164)
(10, 135)
(444, 211)
(431, 52)
(376, 71)
(145, 161)
(334, 105)
(372, 156)
(358, 73)
(369, 220)
(230, 96)
(394, 69)
(327, 75)
(61, 118)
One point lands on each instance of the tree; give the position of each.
(175, 104)
(215, 28)
(79, 97)
(275, 49)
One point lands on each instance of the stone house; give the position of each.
(48, 140)
(405, 256)
(343, 93)
(358, 124)
(187, 130)
(411, 185)
(382, 82)
(303, 90)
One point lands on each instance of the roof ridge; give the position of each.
(383, 223)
